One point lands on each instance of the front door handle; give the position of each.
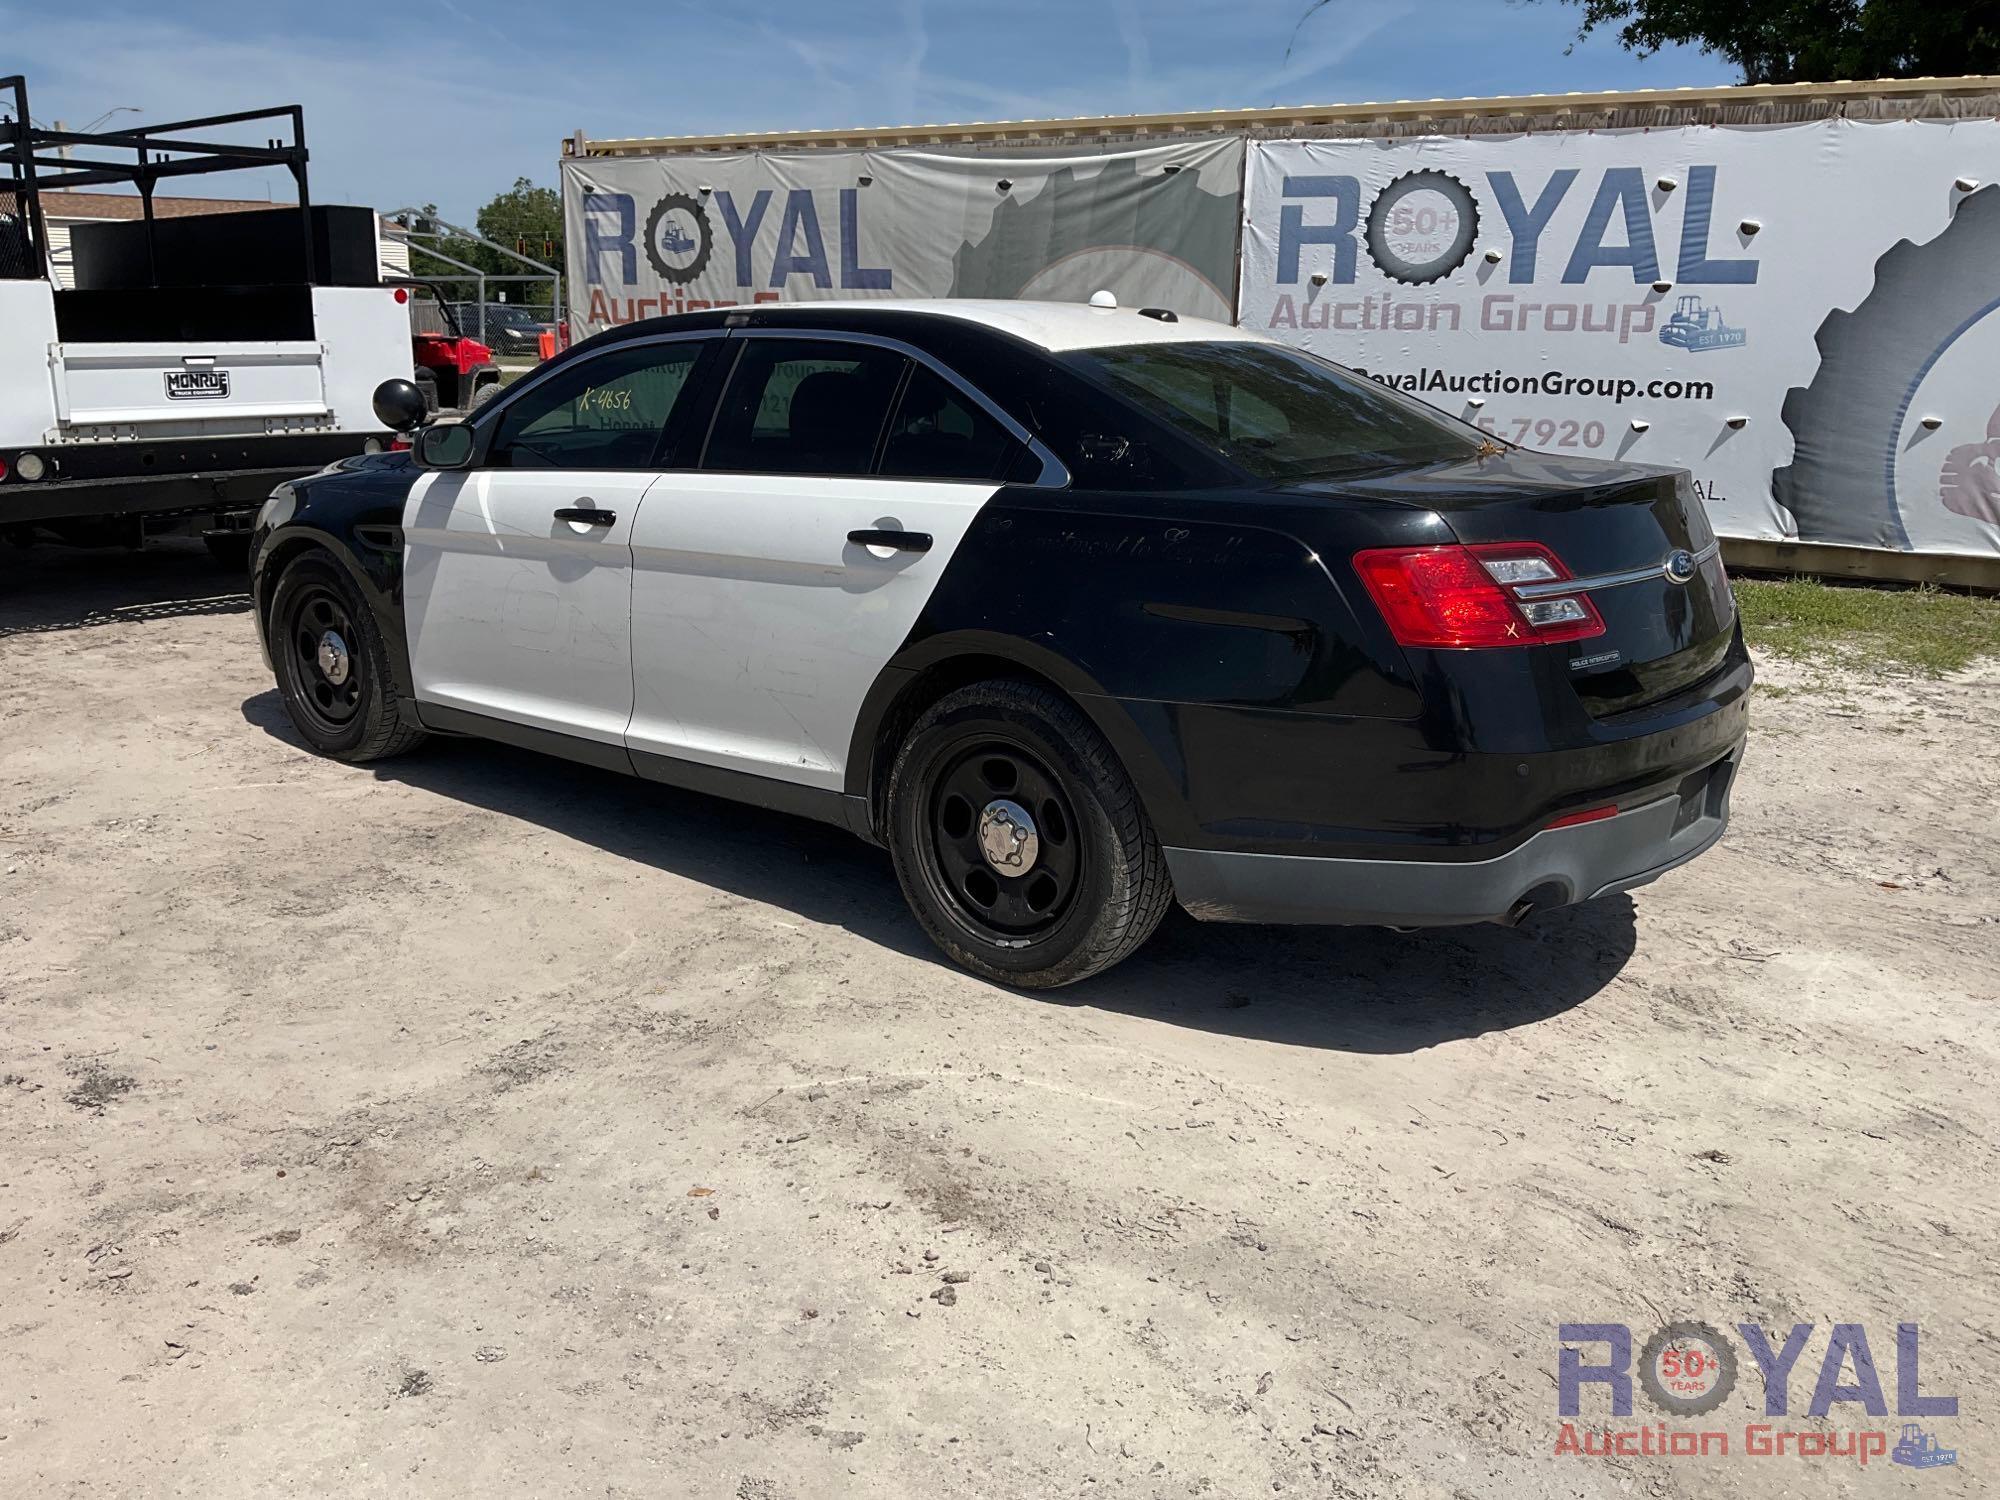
(589, 515)
(902, 541)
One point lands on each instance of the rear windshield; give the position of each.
(1278, 413)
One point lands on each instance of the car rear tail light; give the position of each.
(1588, 815)
(1459, 597)
(3, 469)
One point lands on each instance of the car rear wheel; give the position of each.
(1018, 839)
(333, 666)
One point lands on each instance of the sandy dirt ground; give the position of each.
(481, 1125)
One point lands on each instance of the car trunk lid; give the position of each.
(1634, 540)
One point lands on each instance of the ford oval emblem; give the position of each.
(1680, 567)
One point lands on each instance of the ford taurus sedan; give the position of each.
(1077, 610)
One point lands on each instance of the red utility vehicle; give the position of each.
(454, 370)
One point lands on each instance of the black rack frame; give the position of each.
(37, 161)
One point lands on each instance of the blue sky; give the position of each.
(448, 101)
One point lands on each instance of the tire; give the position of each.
(1714, 1346)
(427, 384)
(1064, 241)
(351, 710)
(679, 275)
(1092, 883)
(1840, 484)
(230, 549)
(485, 393)
(1447, 260)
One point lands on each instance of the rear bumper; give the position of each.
(163, 476)
(1555, 867)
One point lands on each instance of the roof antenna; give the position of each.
(1102, 298)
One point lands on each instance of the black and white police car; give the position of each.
(1077, 609)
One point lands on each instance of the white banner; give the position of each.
(650, 235)
(1806, 316)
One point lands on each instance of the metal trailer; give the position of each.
(1752, 104)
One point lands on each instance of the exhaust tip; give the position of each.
(1547, 895)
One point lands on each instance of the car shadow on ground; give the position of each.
(46, 589)
(1352, 989)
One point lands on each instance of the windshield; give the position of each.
(1278, 413)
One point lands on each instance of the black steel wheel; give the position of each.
(1018, 839)
(332, 665)
(326, 674)
(1004, 838)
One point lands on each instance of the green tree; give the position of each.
(528, 219)
(1815, 41)
(525, 218)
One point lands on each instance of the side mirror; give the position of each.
(400, 406)
(444, 445)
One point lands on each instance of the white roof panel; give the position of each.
(1055, 326)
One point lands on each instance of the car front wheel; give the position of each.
(1018, 839)
(333, 666)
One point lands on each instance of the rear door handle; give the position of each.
(902, 541)
(589, 515)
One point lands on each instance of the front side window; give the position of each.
(606, 412)
(803, 406)
(938, 432)
(1276, 412)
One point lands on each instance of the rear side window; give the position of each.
(1276, 412)
(606, 412)
(799, 406)
(938, 432)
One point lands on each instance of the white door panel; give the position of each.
(515, 614)
(758, 628)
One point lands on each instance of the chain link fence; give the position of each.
(18, 261)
